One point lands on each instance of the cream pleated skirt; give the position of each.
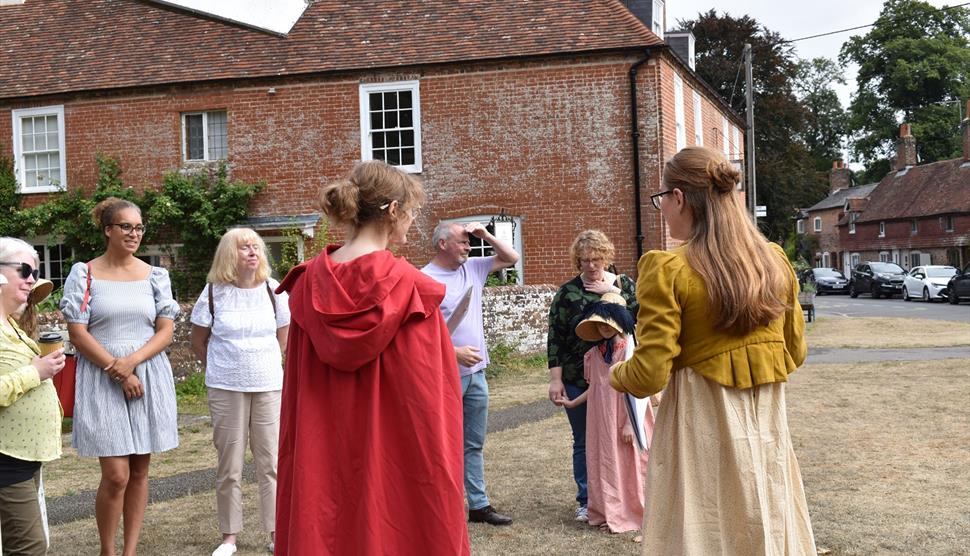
(723, 478)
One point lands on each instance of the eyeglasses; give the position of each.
(655, 198)
(25, 269)
(128, 228)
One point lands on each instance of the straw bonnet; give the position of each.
(39, 291)
(609, 310)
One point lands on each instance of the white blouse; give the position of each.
(243, 354)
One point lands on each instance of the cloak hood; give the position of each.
(351, 311)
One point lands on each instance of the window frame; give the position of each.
(657, 25)
(680, 119)
(882, 228)
(698, 120)
(205, 136)
(724, 135)
(854, 259)
(914, 226)
(817, 224)
(366, 144)
(948, 223)
(800, 226)
(20, 170)
(853, 216)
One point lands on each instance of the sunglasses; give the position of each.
(25, 269)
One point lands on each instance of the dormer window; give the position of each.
(658, 18)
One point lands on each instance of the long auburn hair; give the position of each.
(747, 283)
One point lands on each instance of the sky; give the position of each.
(794, 20)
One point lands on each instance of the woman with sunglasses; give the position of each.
(120, 316)
(30, 415)
(719, 331)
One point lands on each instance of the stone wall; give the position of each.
(515, 316)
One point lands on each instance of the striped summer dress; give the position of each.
(121, 317)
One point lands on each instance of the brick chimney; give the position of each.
(966, 133)
(905, 149)
(840, 177)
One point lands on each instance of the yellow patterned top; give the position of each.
(30, 414)
(675, 330)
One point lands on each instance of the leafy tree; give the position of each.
(914, 67)
(786, 171)
(825, 124)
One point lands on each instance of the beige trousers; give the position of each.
(236, 417)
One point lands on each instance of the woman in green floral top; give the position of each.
(30, 415)
(591, 253)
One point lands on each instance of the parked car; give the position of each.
(959, 286)
(877, 278)
(826, 280)
(927, 282)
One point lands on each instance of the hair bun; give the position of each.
(340, 200)
(723, 175)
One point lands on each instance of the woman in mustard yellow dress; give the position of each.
(719, 330)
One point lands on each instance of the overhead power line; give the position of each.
(943, 9)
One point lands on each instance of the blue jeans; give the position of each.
(474, 397)
(577, 421)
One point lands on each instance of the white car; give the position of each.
(927, 282)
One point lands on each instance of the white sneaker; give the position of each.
(224, 549)
(582, 514)
(271, 547)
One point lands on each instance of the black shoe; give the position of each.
(488, 515)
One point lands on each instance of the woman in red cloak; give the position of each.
(371, 428)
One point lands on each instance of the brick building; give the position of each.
(918, 214)
(527, 108)
(821, 220)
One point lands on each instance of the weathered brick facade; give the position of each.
(544, 135)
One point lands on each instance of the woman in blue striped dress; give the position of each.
(120, 316)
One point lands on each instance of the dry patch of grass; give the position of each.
(516, 388)
(885, 454)
(72, 474)
(877, 333)
(529, 474)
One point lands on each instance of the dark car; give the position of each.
(959, 286)
(876, 278)
(826, 280)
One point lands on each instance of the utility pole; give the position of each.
(749, 136)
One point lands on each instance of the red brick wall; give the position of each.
(931, 237)
(548, 141)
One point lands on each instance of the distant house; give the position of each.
(531, 109)
(821, 219)
(918, 214)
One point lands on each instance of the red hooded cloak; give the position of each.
(370, 458)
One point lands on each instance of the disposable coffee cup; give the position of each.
(50, 342)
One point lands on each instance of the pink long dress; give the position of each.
(615, 469)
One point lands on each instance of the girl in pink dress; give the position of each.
(615, 466)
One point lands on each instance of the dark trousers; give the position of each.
(577, 422)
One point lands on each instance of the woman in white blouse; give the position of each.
(239, 330)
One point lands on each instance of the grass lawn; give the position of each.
(884, 450)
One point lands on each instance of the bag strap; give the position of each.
(272, 298)
(269, 290)
(87, 291)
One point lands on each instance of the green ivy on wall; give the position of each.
(191, 209)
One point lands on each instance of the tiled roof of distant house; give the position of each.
(838, 198)
(918, 191)
(58, 46)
